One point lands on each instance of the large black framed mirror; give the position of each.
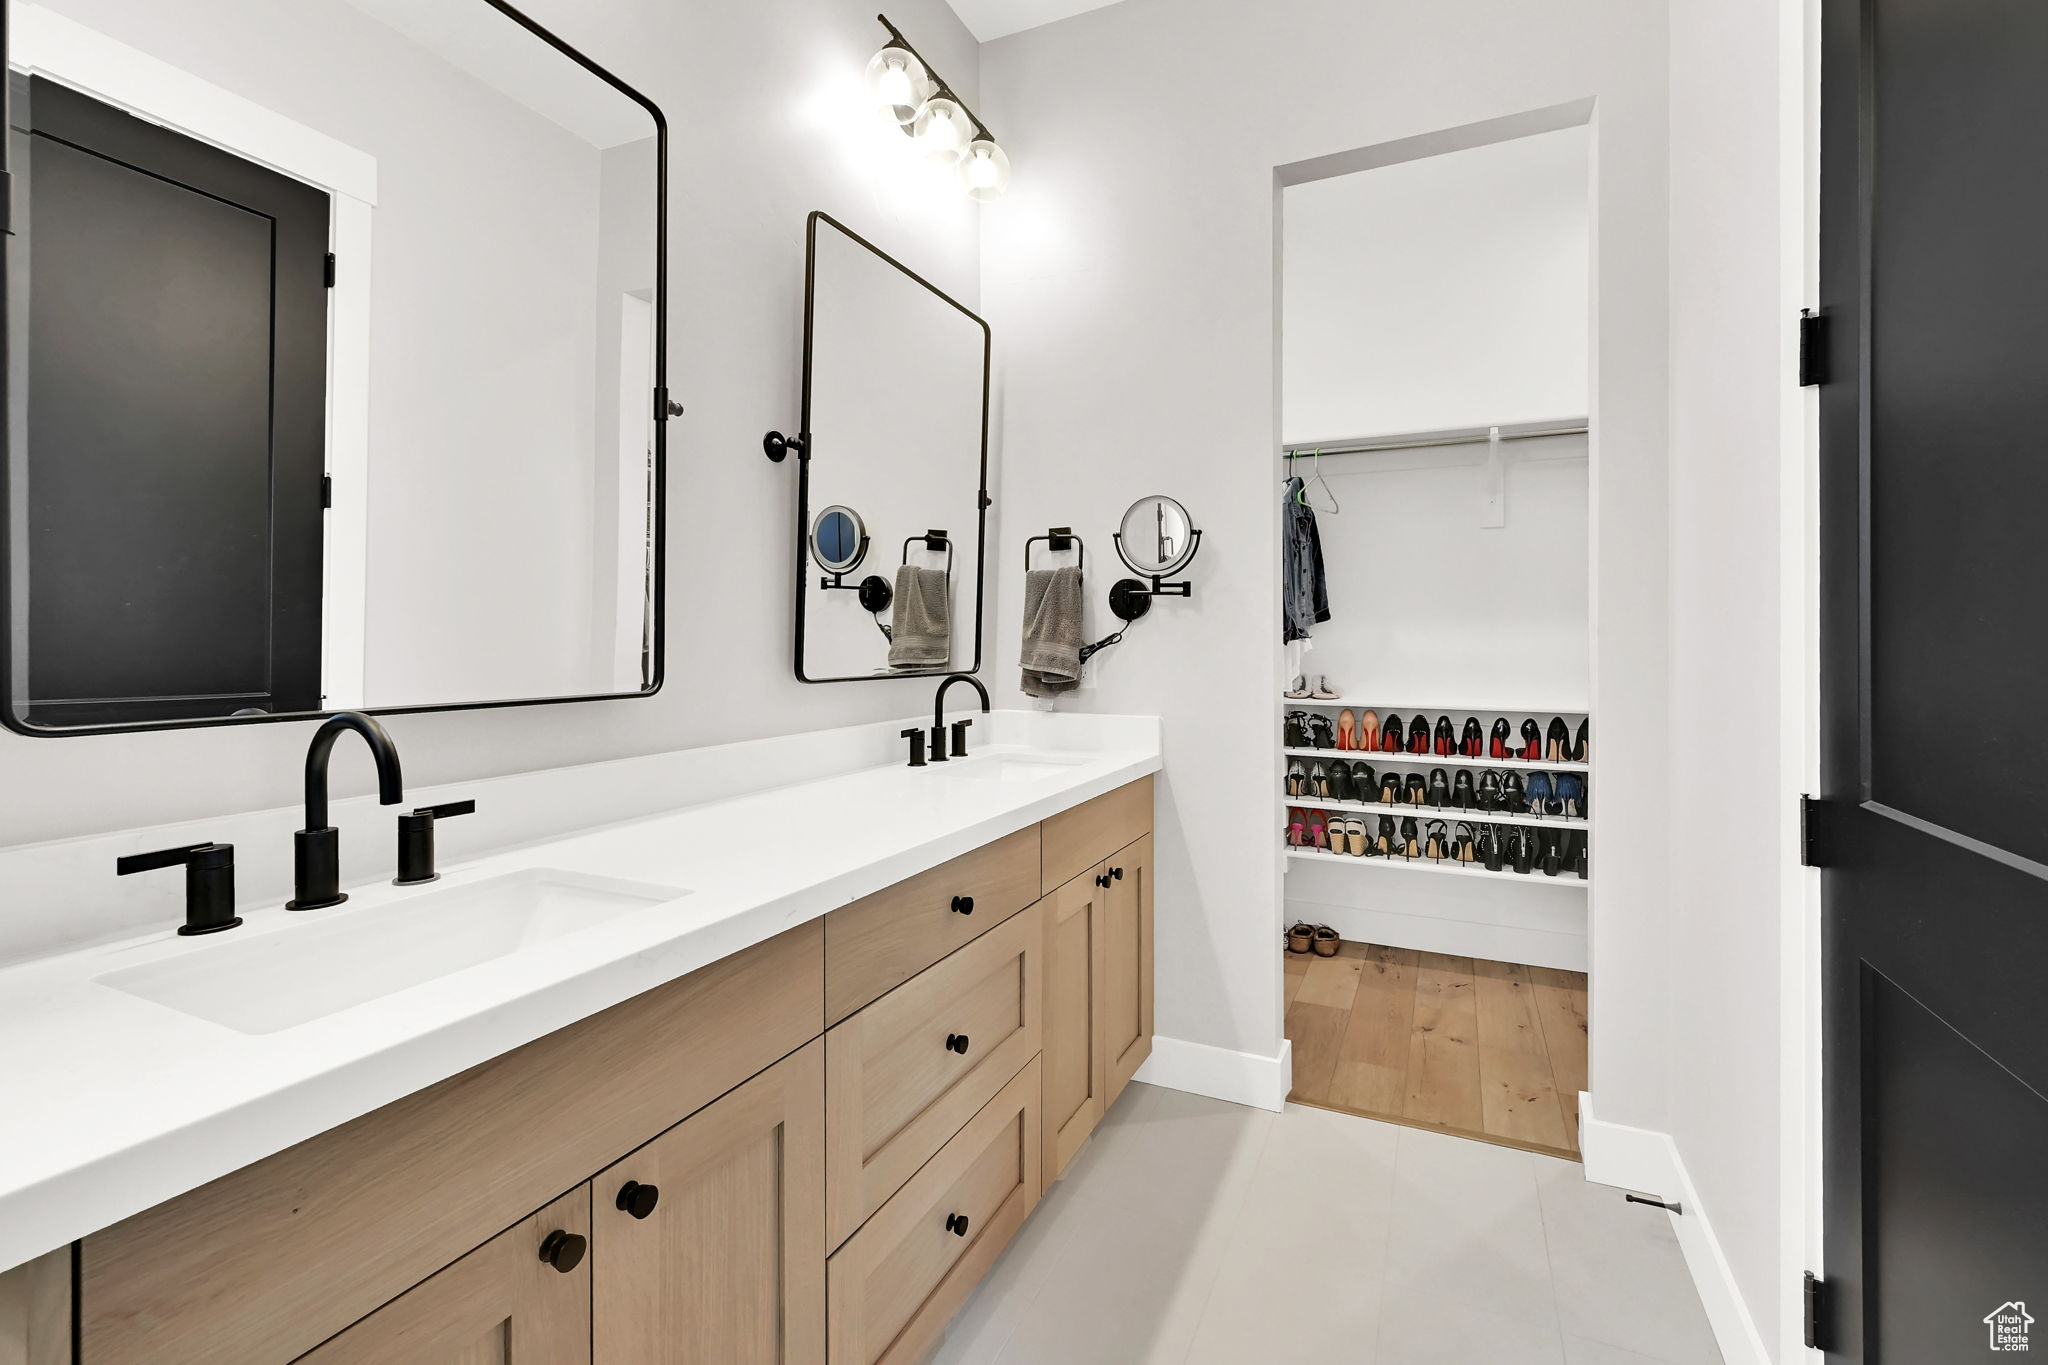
(892, 461)
(336, 364)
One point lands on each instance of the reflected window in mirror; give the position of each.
(1157, 536)
(338, 363)
(895, 424)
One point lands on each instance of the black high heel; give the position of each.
(1418, 735)
(1521, 849)
(1390, 789)
(1411, 839)
(1553, 853)
(1364, 786)
(1489, 848)
(1532, 741)
(1439, 788)
(1462, 794)
(1557, 740)
(1436, 842)
(1446, 737)
(1417, 792)
(1473, 743)
(1579, 749)
(1462, 849)
(1582, 857)
(1489, 790)
(1297, 729)
(1497, 745)
(1393, 739)
(1511, 797)
(1338, 779)
(1383, 843)
(1297, 779)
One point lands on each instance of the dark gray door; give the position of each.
(175, 426)
(1934, 832)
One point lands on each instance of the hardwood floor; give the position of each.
(1487, 1050)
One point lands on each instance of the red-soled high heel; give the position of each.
(1369, 731)
(1347, 730)
(1393, 740)
(1497, 745)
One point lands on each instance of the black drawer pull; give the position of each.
(957, 1042)
(1117, 873)
(956, 1223)
(1102, 879)
(638, 1199)
(563, 1250)
(963, 905)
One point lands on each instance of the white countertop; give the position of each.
(111, 1104)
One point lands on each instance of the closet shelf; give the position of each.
(1462, 708)
(1380, 760)
(1449, 815)
(1444, 869)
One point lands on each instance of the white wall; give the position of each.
(767, 116)
(1448, 291)
(1131, 282)
(1741, 669)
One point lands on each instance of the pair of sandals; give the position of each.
(1322, 691)
(1309, 730)
(1319, 939)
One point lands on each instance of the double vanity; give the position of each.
(770, 1077)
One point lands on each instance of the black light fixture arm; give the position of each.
(896, 35)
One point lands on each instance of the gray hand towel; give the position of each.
(921, 627)
(1052, 631)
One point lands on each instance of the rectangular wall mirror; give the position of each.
(335, 371)
(892, 499)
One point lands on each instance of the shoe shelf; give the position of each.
(1445, 869)
(1448, 814)
(1460, 708)
(1379, 760)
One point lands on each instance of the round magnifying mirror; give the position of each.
(1157, 536)
(838, 539)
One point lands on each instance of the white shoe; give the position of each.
(1300, 688)
(1323, 692)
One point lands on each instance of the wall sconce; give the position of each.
(934, 117)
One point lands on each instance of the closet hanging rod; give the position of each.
(1451, 436)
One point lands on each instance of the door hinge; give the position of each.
(329, 275)
(1816, 1297)
(1813, 841)
(327, 490)
(1813, 348)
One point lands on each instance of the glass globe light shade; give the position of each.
(900, 82)
(985, 170)
(941, 131)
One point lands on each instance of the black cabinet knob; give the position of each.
(956, 1223)
(1117, 873)
(638, 1199)
(564, 1250)
(963, 905)
(1102, 879)
(957, 1042)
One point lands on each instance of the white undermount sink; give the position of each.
(303, 972)
(1008, 768)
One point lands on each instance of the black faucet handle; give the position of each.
(209, 882)
(960, 737)
(416, 841)
(916, 738)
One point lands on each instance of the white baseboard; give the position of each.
(1218, 1072)
(1648, 1162)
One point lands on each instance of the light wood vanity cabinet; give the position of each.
(869, 1104)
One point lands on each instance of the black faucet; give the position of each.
(316, 853)
(209, 882)
(938, 745)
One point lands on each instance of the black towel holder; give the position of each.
(933, 541)
(1058, 539)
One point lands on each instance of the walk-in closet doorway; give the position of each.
(1437, 734)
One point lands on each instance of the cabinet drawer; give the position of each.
(268, 1261)
(904, 1074)
(881, 941)
(897, 1282)
(1077, 839)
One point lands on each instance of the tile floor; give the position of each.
(1201, 1233)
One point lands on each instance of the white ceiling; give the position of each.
(991, 19)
